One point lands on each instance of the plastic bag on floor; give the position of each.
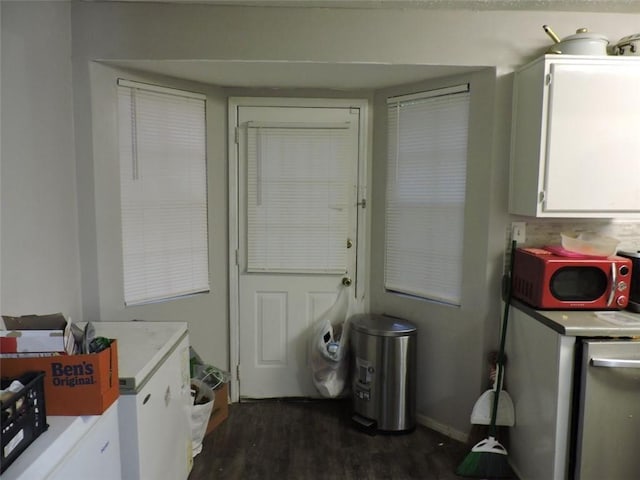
(329, 348)
(203, 398)
(212, 376)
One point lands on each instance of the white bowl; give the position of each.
(589, 244)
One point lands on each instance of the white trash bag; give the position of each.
(329, 348)
(200, 413)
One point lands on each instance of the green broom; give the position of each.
(488, 458)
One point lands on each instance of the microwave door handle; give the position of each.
(615, 362)
(614, 283)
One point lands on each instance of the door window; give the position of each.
(298, 188)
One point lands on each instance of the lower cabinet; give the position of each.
(539, 378)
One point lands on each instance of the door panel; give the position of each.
(297, 210)
(271, 327)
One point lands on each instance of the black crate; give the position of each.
(24, 416)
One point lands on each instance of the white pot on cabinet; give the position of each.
(582, 42)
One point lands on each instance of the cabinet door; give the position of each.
(593, 145)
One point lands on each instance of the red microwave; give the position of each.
(545, 280)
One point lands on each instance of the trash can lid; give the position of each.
(382, 325)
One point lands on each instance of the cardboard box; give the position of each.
(36, 333)
(73, 384)
(220, 410)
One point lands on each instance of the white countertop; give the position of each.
(586, 323)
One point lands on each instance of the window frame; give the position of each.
(395, 209)
(192, 275)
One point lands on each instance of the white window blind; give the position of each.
(163, 192)
(297, 194)
(425, 195)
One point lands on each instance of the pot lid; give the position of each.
(584, 34)
(629, 39)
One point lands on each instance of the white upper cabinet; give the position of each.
(575, 146)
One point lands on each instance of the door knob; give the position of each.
(346, 281)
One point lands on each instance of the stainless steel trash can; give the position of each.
(383, 372)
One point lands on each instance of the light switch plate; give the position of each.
(518, 231)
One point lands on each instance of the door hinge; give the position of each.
(547, 79)
(238, 372)
(237, 258)
(237, 135)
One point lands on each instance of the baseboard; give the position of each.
(441, 428)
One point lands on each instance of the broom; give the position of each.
(488, 458)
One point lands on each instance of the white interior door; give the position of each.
(297, 236)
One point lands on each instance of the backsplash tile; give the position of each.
(541, 232)
(547, 232)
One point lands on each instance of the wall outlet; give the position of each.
(518, 231)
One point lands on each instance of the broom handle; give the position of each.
(503, 337)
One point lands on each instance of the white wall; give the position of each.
(160, 31)
(206, 314)
(0, 159)
(451, 340)
(39, 254)
(502, 40)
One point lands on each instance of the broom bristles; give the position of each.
(487, 459)
(485, 465)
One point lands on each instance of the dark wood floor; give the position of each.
(307, 439)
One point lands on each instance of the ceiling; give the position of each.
(342, 76)
(631, 6)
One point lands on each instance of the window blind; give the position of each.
(162, 192)
(297, 197)
(425, 193)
